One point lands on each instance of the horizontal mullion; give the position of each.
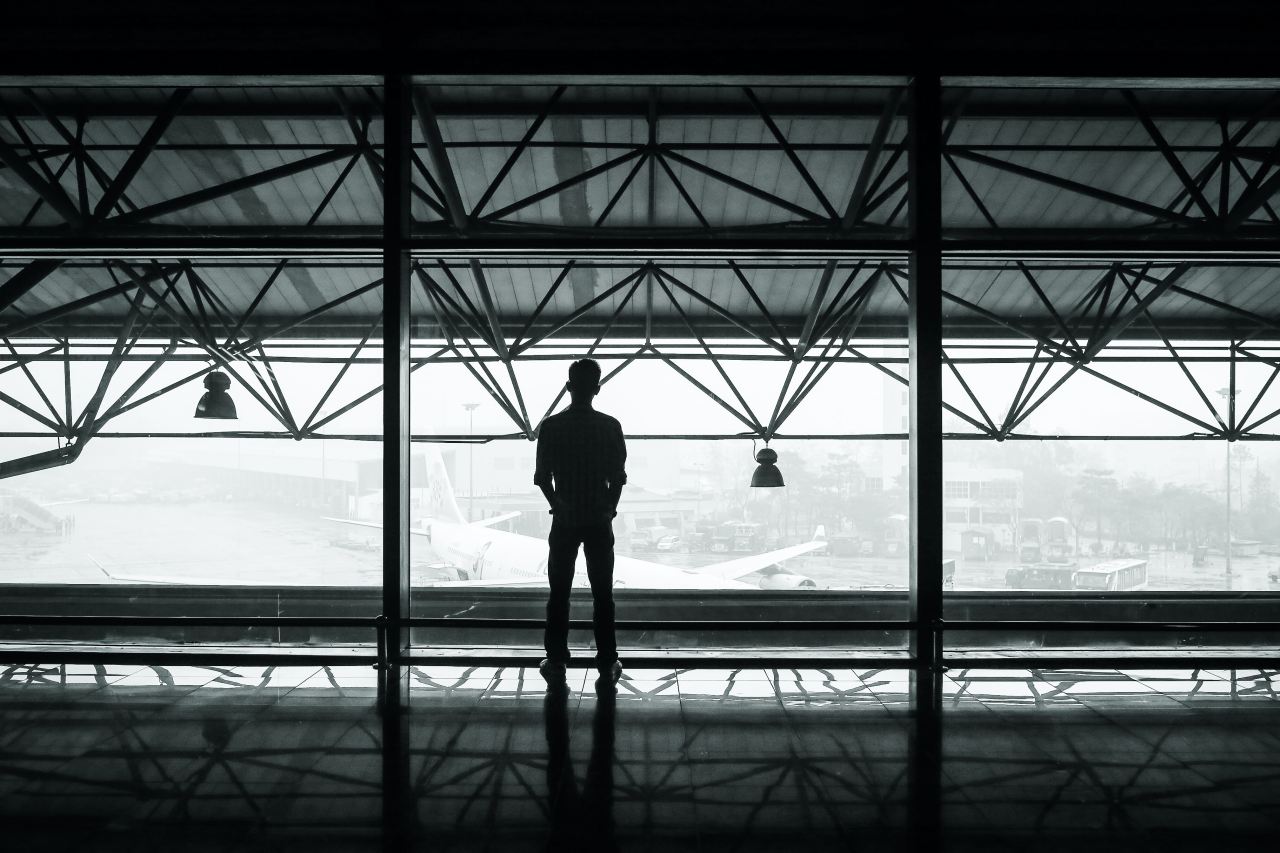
(672, 625)
(12, 653)
(1207, 110)
(192, 621)
(297, 243)
(988, 245)
(485, 438)
(765, 659)
(640, 660)
(982, 660)
(1104, 625)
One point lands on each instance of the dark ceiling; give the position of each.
(659, 36)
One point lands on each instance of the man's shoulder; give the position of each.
(562, 418)
(610, 420)
(568, 417)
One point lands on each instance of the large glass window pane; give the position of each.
(693, 540)
(118, 500)
(1109, 454)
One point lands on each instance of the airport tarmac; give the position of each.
(231, 542)
(1167, 570)
(267, 544)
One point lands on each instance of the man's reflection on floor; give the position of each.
(581, 819)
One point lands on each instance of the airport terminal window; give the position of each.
(165, 514)
(701, 355)
(1113, 484)
(1116, 415)
(836, 534)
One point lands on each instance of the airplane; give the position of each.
(483, 556)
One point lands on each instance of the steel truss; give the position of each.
(635, 318)
(1095, 328)
(82, 162)
(65, 152)
(183, 319)
(1224, 183)
(173, 315)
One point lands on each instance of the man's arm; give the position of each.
(617, 469)
(543, 476)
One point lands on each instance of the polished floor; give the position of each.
(139, 758)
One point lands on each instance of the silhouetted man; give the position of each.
(581, 469)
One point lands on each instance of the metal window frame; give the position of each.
(924, 244)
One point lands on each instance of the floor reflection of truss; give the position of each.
(184, 745)
(1040, 752)
(734, 751)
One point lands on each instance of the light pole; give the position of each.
(1229, 394)
(471, 460)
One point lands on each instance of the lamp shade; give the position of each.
(767, 475)
(216, 402)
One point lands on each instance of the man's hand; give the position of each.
(553, 500)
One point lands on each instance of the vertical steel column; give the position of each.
(395, 365)
(925, 332)
(397, 801)
(398, 806)
(924, 169)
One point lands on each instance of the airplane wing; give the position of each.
(497, 519)
(170, 580)
(733, 569)
(505, 581)
(416, 531)
(484, 522)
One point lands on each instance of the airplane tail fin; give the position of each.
(820, 535)
(441, 503)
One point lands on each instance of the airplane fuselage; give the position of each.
(494, 556)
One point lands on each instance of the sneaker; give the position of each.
(552, 671)
(611, 673)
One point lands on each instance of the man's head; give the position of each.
(584, 380)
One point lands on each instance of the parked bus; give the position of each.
(1113, 576)
(1042, 576)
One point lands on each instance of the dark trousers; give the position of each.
(597, 546)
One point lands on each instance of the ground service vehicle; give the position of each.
(1113, 575)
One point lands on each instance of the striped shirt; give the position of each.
(582, 452)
